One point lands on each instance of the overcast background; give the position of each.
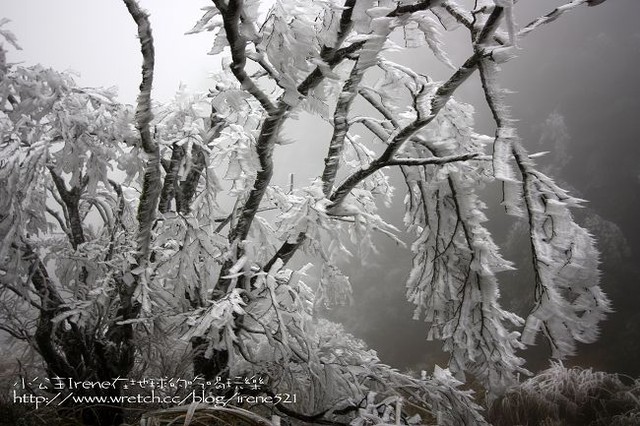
(577, 95)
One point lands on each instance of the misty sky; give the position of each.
(582, 68)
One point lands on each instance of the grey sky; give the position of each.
(584, 67)
(98, 40)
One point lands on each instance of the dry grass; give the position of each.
(562, 396)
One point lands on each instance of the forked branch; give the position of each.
(231, 14)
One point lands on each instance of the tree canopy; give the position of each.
(129, 231)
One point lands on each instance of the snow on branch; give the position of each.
(444, 92)
(231, 15)
(436, 160)
(152, 184)
(411, 8)
(445, 212)
(273, 122)
(438, 101)
(340, 127)
(368, 95)
(463, 17)
(269, 130)
(377, 127)
(552, 16)
(569, 302)
(71, 199)
(143, 110)
(367, 59)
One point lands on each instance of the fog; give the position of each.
(576, 95)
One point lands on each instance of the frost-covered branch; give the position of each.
(464, 17)
(71, 200)
(436, 160)
(171, 178)
(461, 15)
(329, 53)
(268, 69)
(60, 221)
(442, 95)
(399, 137)
(271, 127)
(411, 8)
(231, 13)
(187, 188)
(340, 127)
(51, 348)
(368, 95)
(551, 16)
(143, 109)
(264, 149)
(569, 303)
(152, 185)
(375, 126)
(63, 206)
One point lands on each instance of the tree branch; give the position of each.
(22, 295)
(266, 66)
(187, 188)
(117, 219)
(51, 303)
(170, 179)
(550, 17)
(460, 16)
(143, 109)
(375, 126)
(231, 18)
(328, 53)
(287, 250)
(340, 127)
(62, 205)
(71, 199)
(270, 128)
(368, 94)
(60, 221)
(442, 95)
(17, 334)
(151, 186)
(436, 160)
(410, 8)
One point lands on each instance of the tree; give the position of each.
(118, 225)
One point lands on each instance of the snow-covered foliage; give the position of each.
(453, 282)
(166, 223)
